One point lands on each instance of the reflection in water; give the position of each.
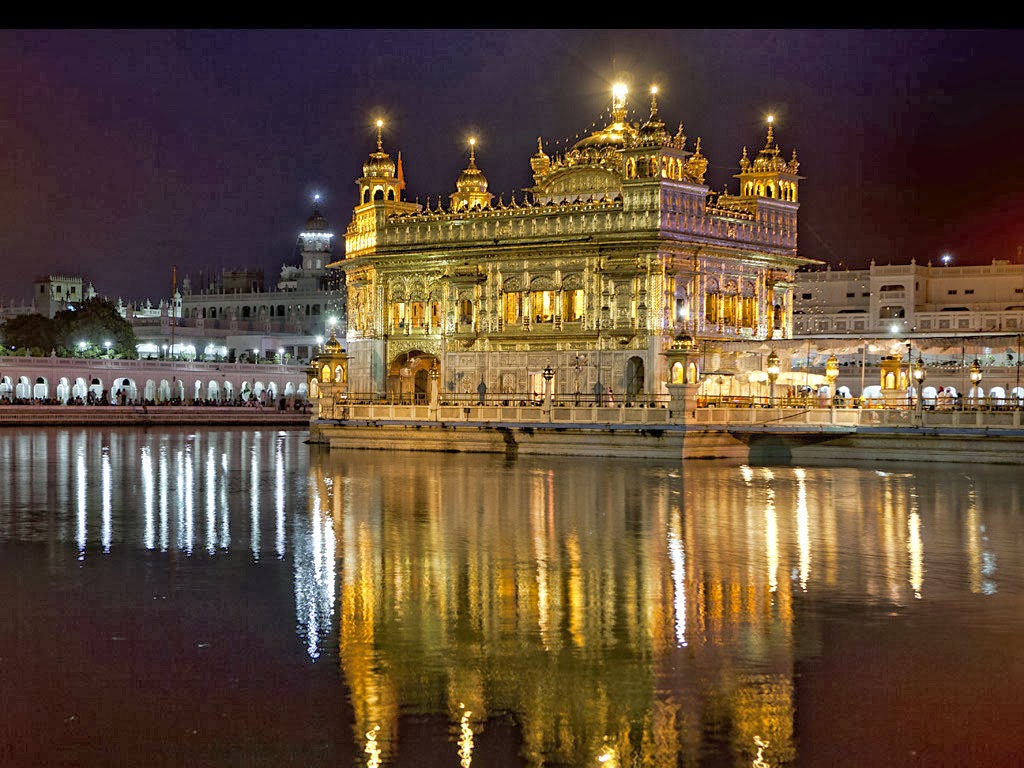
(596, 613)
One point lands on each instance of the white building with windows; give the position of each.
(936, 299)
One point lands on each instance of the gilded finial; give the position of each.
(654, 99)
(380, 145)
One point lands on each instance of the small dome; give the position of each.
(653, 133)
(380, 164)
(332, 346)
(472, 179)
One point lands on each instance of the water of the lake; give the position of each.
(235, 598)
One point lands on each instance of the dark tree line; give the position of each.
(82, 331)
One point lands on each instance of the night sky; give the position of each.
(126, 153)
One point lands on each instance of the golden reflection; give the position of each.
(372, 750)
(465, 740)
(914, 549)
(503, 590)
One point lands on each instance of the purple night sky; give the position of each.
(130, 152)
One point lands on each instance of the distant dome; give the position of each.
(316, 221)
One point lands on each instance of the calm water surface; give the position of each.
(231, 598)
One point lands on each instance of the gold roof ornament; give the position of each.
(540, 162)
(653, 133)
(471, 185)
(380, 165)
(696, 166)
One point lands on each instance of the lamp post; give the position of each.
(577, 367)
(920, 374)
(832, 373)
(773, 374)
(548, 375)
(976, 376)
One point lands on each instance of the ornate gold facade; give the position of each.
(617, 249)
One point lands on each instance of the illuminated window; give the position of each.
(465, 312)
(543, 309)
(513, 308)
(572, 305)
(416, 310)
(398, 314)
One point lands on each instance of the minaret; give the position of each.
(380, 196)
(472, 186)
(315, 241)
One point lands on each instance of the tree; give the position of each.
(33, 334)
(93, 323)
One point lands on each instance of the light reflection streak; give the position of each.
(315, 576)
(149, 537)
(254, 502)
(677, 554)
(181, 496)
(771, 541)
(465, 740)
(189, 495)
(803, 528)
(105, 508)
(211, 500)
(981, 562)
(915, 550)
(225, 526)
(164, 500)
(81, 474)
(279, 497)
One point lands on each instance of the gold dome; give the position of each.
(380, 165)
(332, 346)
(616, 135)
(472, 179)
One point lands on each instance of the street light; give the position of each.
(773, 373)
(832, 373)
(920, 374)
(548, 374)
(976, 376)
